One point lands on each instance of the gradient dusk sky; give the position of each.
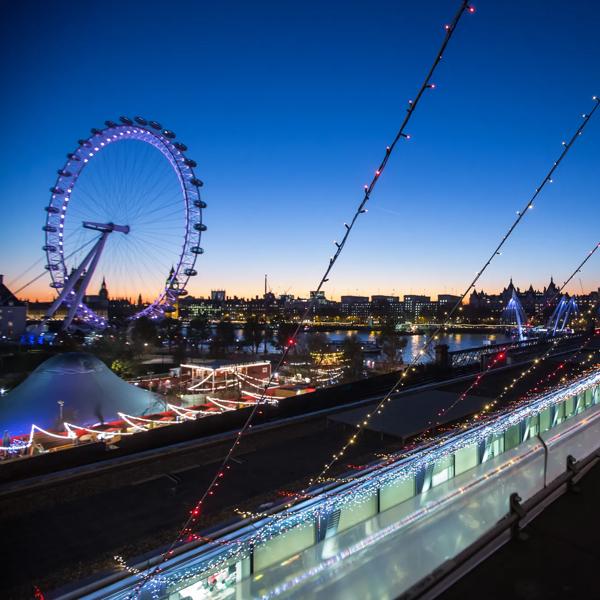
(287, 107)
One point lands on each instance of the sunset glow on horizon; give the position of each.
(284, 149)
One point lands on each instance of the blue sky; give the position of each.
(287, 108)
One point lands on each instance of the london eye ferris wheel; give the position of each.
(125, 206)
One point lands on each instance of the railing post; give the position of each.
(517, 509)
(572, 468)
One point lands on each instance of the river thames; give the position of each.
(414, 343)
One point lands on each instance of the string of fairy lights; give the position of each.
(361, 209)
(362, 489)
(368, 189)
(339, 245)
(566, 146)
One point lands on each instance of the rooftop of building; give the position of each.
(7, 298)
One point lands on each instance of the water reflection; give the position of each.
(455, 341)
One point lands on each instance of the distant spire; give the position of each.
(103, 293)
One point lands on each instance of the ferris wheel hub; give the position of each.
(106, 227)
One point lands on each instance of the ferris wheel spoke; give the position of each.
(163, 207)
(165, 245)
(158, 194)
(147, 201)
(90, 211)
(148, 176)
(147, 270)
(158, 254)
(151, 253)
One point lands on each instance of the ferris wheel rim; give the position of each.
(152, 133)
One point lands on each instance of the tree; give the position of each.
(284, 334)
(354, 356)
(223, 339)
(198, 331)
(68, 342)
(253, 332)
(169, 329)
(143, 333)
(267, 335)
(391, 343)
(123, 367)
(317, 344)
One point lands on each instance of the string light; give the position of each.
(366, 485)
(520, 214)
(361, 209)
(340, 246)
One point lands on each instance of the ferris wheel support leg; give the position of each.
(74, 304)
(70, 284)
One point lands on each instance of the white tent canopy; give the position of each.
(90, 391)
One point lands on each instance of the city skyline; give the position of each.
(351, 292)
(284, 158)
